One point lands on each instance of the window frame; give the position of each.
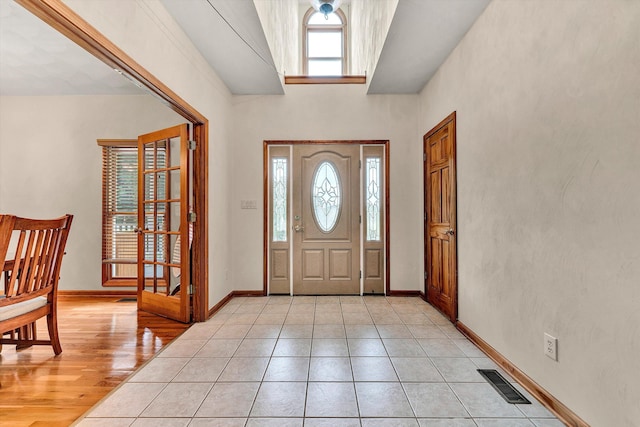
(324, 28)
(108, 279)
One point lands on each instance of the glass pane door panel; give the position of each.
(164, 182)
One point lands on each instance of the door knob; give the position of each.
(298, 228)
(450, 232)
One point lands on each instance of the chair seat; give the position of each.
(14, 310)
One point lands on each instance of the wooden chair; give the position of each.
(31, 278)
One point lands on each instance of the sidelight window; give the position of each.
(279, 202)
(372, 199)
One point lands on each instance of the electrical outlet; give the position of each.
(551, 346)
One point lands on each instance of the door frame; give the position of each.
(265, 199)
(451, 118)
(66, 21)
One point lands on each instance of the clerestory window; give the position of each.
(325, 42)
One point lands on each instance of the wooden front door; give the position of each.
(163, 208)
(440, 217)
(326, 219)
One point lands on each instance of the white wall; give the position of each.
(327, 112)
(147, 33)
(369, 25)
(279, 19)
(50, 164)
(547, 96)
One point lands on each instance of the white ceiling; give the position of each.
(237, 49)
(37, 60)
(422, 35)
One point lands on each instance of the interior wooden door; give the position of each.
(163, 209)
(326, 219)
(440, 217)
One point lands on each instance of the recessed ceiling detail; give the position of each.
(35, 59)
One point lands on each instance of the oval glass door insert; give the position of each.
(326, 194)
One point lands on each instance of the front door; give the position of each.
(163, 208)
(326, 219)
(440, 217)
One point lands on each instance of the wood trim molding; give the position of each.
(67, 22)
(387, 215)
(255, 293)
(265, 216)
(403, 293)
(213, 310)
(324, 80)
(133, 143)
(231, 295)
(565, 414)
(95, 294)
(326, 141)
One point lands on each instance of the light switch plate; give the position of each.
(248, 204)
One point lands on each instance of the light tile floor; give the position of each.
(317, 362)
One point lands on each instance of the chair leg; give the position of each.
(26, 333)
(52, 324)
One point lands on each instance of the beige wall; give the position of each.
(547, 96)
(146, 32)
(279, 19)
(327, 112)
(50, 164)
(369, 25)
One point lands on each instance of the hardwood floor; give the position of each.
(103, 342)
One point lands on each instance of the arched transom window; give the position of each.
(325, 42)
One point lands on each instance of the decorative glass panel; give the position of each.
(326, 194)
(372, 201)
(279, 202)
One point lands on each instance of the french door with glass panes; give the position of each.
(326, 216)
(163, 208)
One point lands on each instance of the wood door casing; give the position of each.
(326, 261)
(440, 217)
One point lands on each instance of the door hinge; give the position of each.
(425, 275)
(360, 219)
(361, 274)
(192, 145)
(424, 157)
(191, 289)
(192, 217)
(359, 164)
